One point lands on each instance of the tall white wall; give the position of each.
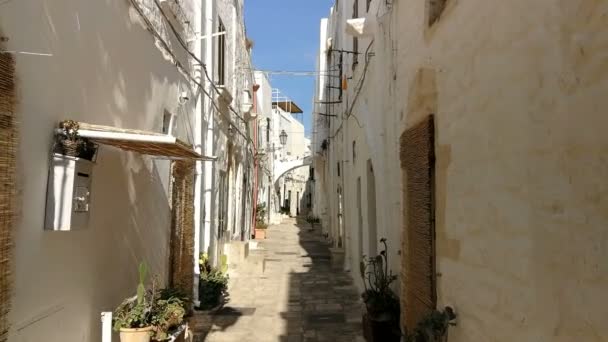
(515, 92)
(103, 68)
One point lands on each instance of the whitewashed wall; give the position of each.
(103, 68)
(516, 91)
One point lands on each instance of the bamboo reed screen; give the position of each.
(418, 295)
(8, 210)
(182, 227)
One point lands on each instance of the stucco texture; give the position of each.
(518, 91)
(99, 65)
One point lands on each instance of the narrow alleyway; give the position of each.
(286, 291)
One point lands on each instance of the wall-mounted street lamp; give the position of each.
(283, 137)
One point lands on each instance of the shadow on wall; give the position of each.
(109, 72)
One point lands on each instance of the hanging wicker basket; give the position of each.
(68, 142)
(79, 148)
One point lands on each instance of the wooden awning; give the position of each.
(144, 142)
(288, 106)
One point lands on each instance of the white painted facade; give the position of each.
(515, 90)
(285, 167)
(98, 62)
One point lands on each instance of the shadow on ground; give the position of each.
(286, 291)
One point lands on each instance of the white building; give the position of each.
(283, 184)
(130, 73)
(468, 134)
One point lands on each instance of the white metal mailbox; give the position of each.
(68, 193)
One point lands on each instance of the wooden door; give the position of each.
(419, 294)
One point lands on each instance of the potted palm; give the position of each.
(381, 320)
(133, 318)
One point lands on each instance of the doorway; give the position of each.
(359, 220)
(418, 231)
(372, 223)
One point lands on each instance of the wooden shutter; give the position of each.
(418, 258)
(182, 230)
(8, 193)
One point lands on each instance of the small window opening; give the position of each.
(435, 8)
(221, 55)
(168, 123)
(355, 39)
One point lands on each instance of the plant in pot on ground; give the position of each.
(433, 327)
(260, 223)
(133, 317)
(381, 321)
(213, 283)
(312, 220)
(168, 313)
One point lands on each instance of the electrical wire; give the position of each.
(198, 60)
(181, 68)
(359, 88)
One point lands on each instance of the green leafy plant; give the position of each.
(260, 214)
(313, 220)
(261, 226)
(434, 327)
(136, 311)
(213, 282)
(381, 302)
(167, 314)
(174, 292)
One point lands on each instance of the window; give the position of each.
(168, 123)
(354, 152)
(268, 131)
(338, 168)
(221, 54)
(355, 39)
(418, 260)
(435, 8)
(369, 2)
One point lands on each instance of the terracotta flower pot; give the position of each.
(260, 234)
(136, 334)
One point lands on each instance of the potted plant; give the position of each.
(312, 220)
(213, 282)
(260, 231)
(69, 143)
(260, 224)
(433, 327)
(381, 320)
(168, 315)
(134, 316)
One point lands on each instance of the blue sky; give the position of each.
(286, 36)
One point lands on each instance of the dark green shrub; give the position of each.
(213, 283)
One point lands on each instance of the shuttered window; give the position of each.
(418, 258)
(9, 138)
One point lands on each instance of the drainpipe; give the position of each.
(208, 167)
(198, 141)
(255, 160)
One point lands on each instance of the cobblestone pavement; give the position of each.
(286, 291)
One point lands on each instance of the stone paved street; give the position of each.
(286, 291)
